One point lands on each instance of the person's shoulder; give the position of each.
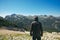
(39, 22)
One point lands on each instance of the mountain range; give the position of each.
(49, 23)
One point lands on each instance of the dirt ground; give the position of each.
(5, 31)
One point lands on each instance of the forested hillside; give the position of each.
(49, 23)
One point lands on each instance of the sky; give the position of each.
(30, 7)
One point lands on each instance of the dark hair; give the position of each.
(36, 18)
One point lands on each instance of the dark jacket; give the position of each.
(36, 28)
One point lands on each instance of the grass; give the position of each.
(15, 37)
(46, 36)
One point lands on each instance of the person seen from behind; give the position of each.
(36, 29)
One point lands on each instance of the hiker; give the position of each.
(36, 29)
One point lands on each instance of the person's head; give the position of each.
(36, 18)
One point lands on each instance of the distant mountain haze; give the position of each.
(49, 23)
